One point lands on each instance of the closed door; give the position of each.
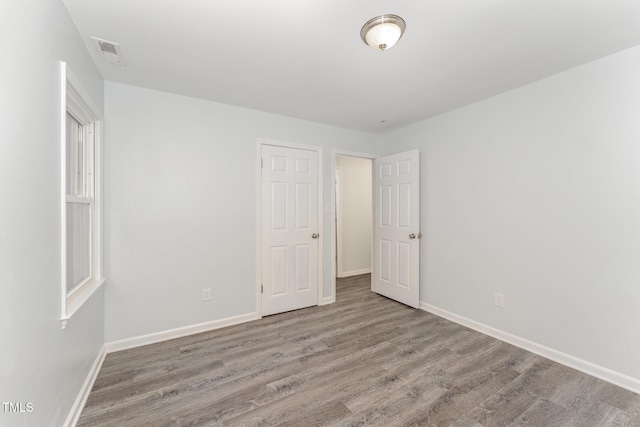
(397, 228)
(289, 229)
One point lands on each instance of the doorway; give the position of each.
(395, 260)
(353, 201)
(353, 216)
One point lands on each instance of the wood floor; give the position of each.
(362, 361)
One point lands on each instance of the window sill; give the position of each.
(75, 302)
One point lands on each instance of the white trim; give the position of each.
(334, 269)
(354, 272)
(337, 184)
(184, 331)
(318, 150)
(264, 141)
(79, 297)
(258, 187)
(78, 199)
(589, 368)
(74, 97)
(78, 98)
(320, 226)
(328, 300)
(98, 218)
(347, 153)
(63, 193)
(83, 395)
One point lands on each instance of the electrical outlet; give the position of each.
(206, 294)
(498, 300)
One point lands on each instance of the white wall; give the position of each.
(180, 198)
(39, 362)
(354, 218)
(535, 194)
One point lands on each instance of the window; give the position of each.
(81, 210)
(80, 203)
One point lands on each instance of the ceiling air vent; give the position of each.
(109, 51)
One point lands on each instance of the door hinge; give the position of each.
(261, 163)
(262, 289)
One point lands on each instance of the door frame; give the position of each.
(283, 144)
(334, 268)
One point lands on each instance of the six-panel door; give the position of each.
(396, 227)
(289, 224)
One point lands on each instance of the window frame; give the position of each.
(76, 102)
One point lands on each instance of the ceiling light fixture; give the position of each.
(383, 31)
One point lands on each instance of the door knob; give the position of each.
(412, 236)
(315, 235)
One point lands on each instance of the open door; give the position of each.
(396, 230)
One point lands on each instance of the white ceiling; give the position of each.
(305, 59)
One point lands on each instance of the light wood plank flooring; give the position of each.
(362, 361)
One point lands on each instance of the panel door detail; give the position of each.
(396, 228)
(289, 222)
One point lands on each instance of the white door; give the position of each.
(396, 252)
(289, 229)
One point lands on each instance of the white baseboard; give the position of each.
(328, 300)
(344, 274)
(83, 395)
(170, 334)
(606, 374)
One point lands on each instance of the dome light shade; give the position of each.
(382, 32)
